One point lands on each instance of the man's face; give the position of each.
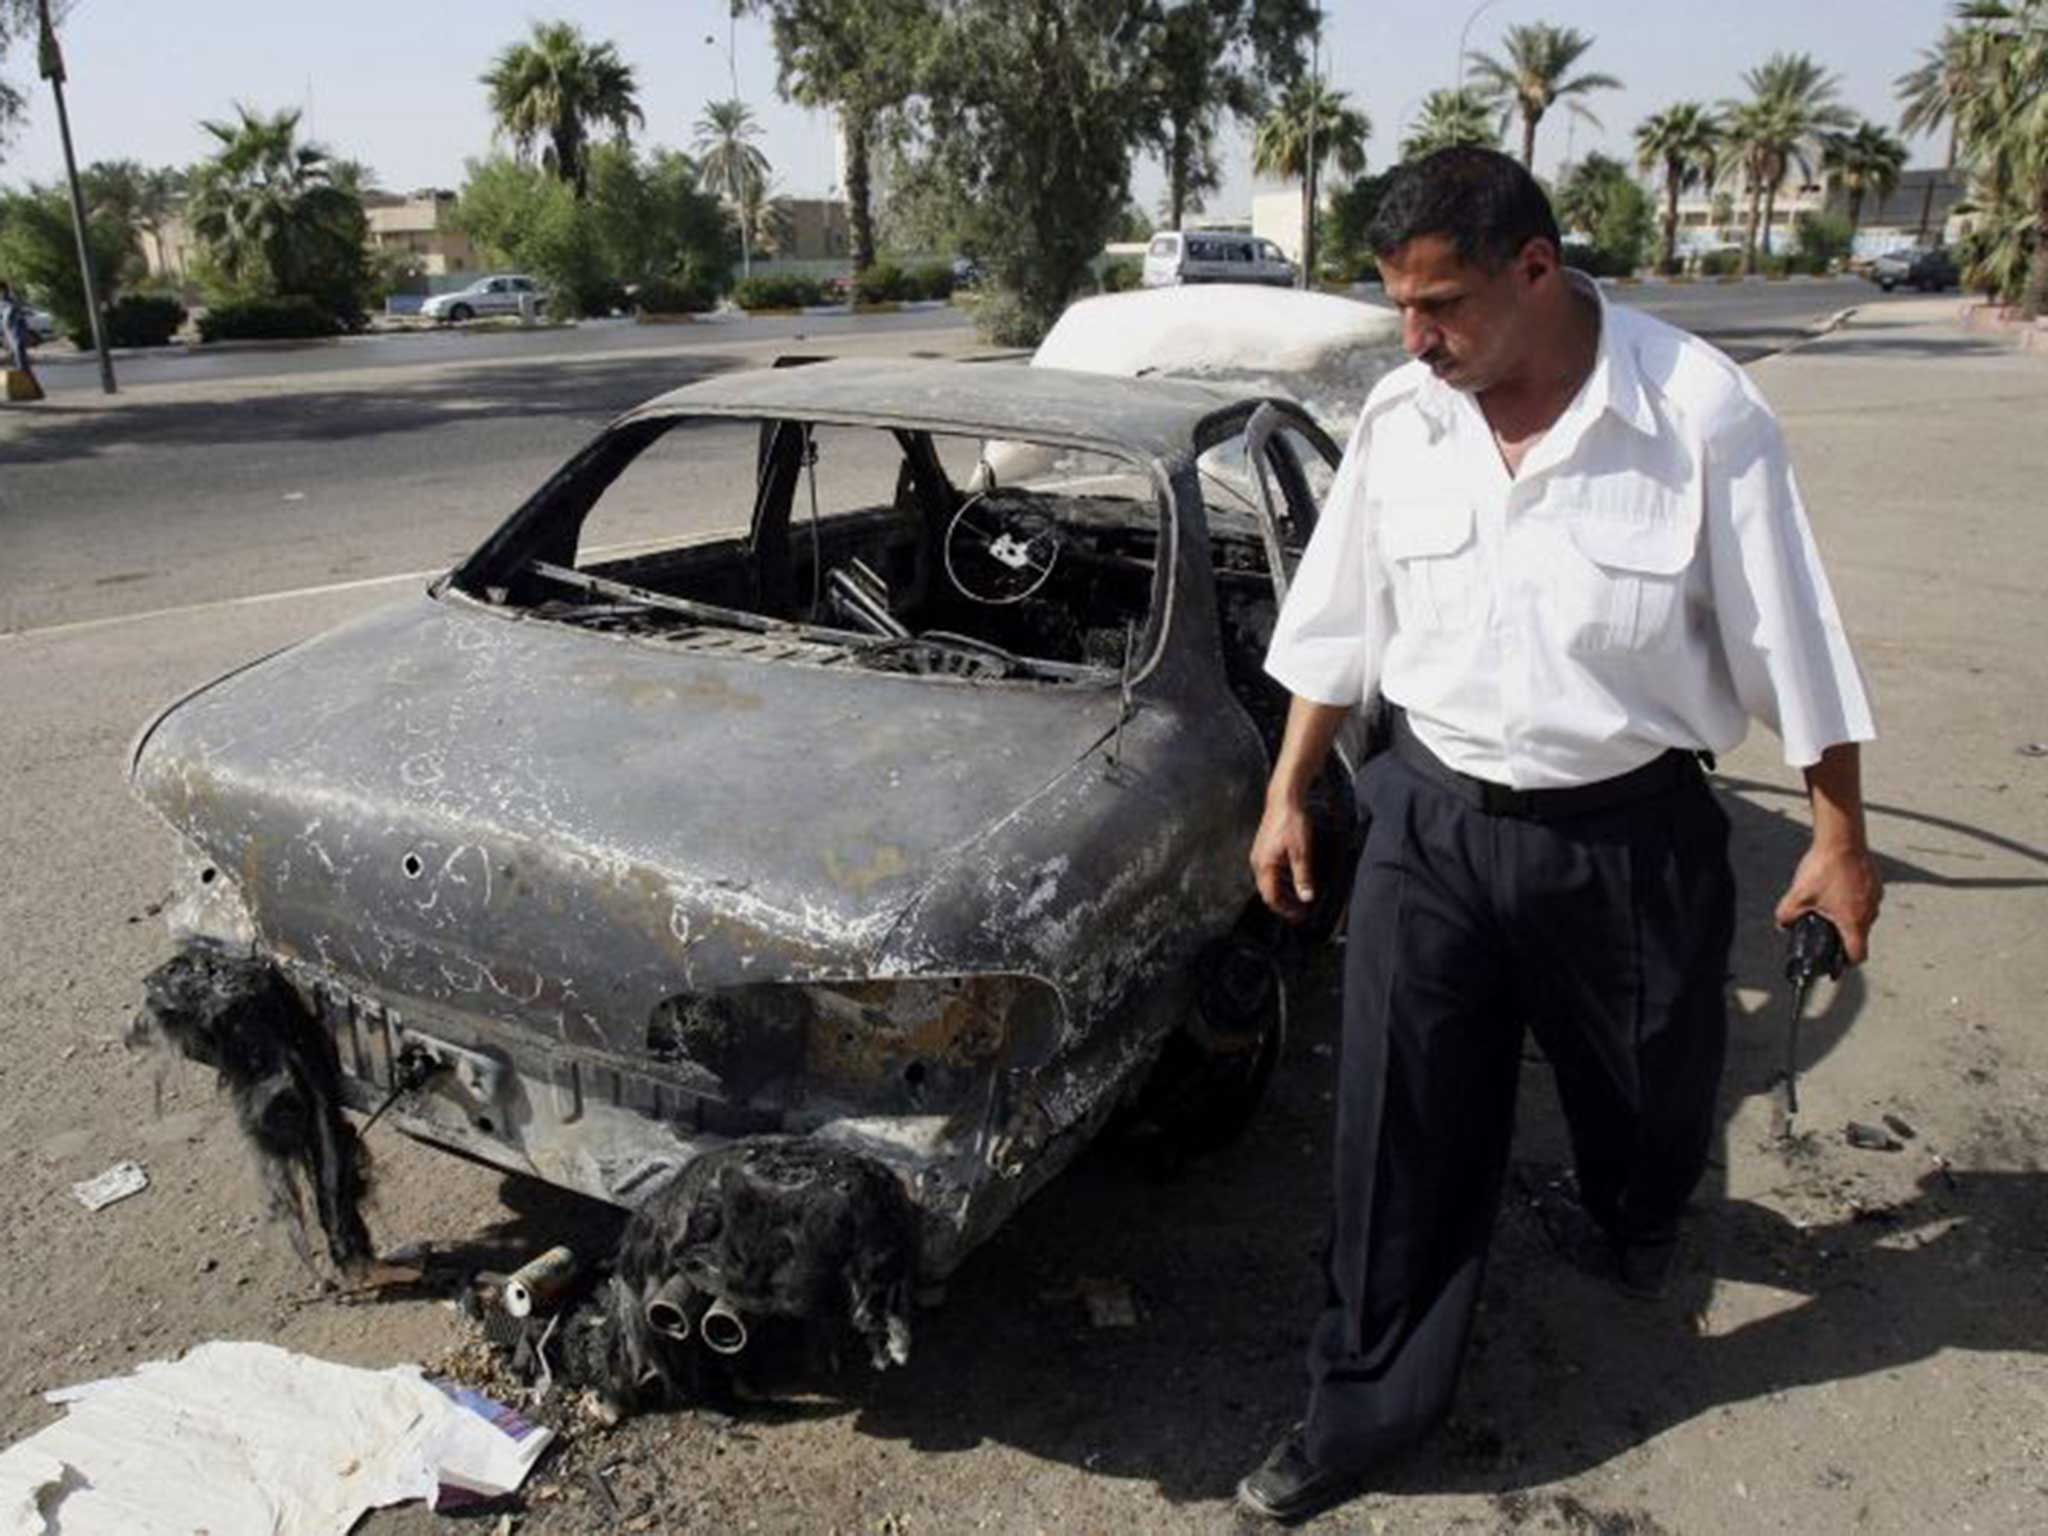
(1467, 321)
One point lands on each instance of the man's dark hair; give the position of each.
(1481, 200)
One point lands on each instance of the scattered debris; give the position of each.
(1941, 1166)
(1898, 1127)
(1109, 1302)
(2034, 749)
(540, 1283)
(234, 1437)
(1870, 1138)
(117, 1183)
(239, 1017)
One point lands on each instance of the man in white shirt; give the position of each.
(1566, 549)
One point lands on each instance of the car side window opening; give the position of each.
(889, 549)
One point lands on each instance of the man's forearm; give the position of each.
(1304, 747)
(1835, 787)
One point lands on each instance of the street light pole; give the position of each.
(52, 65)
(1308, 171)
(1464, 32)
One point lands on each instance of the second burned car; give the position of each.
(779, 814)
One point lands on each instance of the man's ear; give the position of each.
(1537, 260)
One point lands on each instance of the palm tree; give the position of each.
(1931, 92)
(1449, 119)
(770, 215)
(1869, 160)
(2002, 122)
(1684, 141)
(1536, 74)
(1791, 107)
(556, 86)
(271, 216)
(1310, 113)
(732, 165)
(858, 57)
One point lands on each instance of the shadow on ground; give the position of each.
(65, 430)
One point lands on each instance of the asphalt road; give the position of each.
(1746, 319)
(67, 370)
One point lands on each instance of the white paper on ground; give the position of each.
(117, 1183)
(242, 1437)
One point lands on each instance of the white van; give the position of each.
(1215, 256)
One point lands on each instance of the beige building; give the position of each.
(421, 230)
(819, 230)
(1710, 219)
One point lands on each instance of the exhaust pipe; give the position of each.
(724, 1330)
(665, 1311)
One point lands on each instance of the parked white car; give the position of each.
(1215, 256)
(498, 294)
(42, 325)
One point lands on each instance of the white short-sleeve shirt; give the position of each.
(1647, 580)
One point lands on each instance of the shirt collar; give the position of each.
(1614, 386)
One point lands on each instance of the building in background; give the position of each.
(419, 229)
(1712, 219)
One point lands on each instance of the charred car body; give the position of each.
(906, 821)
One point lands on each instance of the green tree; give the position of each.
(38, 251)
(731, 163)
(1866, 161)
(640, 221)
(17, 28)
(1210, 58)
(2001, 119)
(1310, 114)
(1536, 75)
(556, 87)
(272, 221)
(1929, 93)
(1035, 109)
(1600, 200)
(1348, 222)
(861, 58)
(1449, 119)
(1791, 107)
(1684, 142)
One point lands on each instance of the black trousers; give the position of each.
(1608, 934)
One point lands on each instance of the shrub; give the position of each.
(933, 280)
(676, 296)
(1122, 275)
(295, 316)
(1824, 238)
(143, 320)
(1004, 319)
(882, 283)
(1595, 262)
(1720, 263)
(767, 290)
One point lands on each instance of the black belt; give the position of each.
(1658, 776)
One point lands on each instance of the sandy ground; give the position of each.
(1856, 1340)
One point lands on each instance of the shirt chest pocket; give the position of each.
(1432, 559)
(1627, 547)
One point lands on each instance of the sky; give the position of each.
(395, 84)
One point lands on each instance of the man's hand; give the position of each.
(1837, 878)
(1842, 884)
(1281, 862)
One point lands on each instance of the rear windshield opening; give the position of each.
(852, 546)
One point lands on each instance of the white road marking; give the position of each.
(257, 599)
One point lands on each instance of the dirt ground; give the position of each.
(1856, 1339)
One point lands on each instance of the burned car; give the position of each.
(873, 849)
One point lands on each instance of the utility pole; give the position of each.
(1308, 171)
(52, 64)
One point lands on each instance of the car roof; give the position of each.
(1154, 418)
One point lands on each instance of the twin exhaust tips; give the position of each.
(723, 1330)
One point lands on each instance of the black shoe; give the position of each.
(1287, 1486)
(1643, 1269)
